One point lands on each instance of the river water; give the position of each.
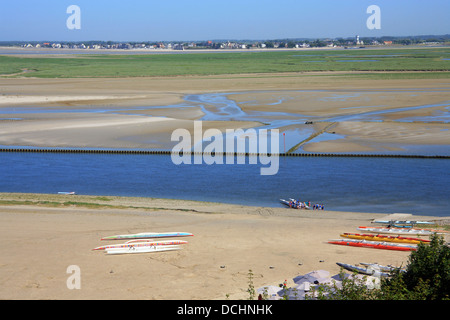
(384, 185)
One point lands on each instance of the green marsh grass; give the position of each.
(219, 63)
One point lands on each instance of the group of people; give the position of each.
(318, 206)
(297, 204)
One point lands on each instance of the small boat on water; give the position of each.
(148, 235)
(375, 245)
(369, 269)
(147, 249)
(141, 244)
(393, 230)
(67, 192)
(381, 237)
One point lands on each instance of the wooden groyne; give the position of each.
(298, 145)
(247, 154)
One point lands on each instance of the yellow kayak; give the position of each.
(385, 238)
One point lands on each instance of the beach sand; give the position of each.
(41, 241)
(116, 115)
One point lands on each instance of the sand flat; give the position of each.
(318, 95)
(381, 137)
(337, 101)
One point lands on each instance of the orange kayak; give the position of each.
(381, 237)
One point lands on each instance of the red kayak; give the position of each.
(375, 245)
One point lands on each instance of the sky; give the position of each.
(196, 20)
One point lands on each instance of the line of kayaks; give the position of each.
(388, 237)
(377, 238)
(144, 243)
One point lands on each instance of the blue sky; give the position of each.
(182, 20)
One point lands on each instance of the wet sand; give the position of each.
(42, 240)
(376, 118)
(320, 96)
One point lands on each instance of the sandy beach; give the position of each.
(42, 240)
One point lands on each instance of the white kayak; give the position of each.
(141, 243)
(148, 235)
(401, 222)
(423, 232)
(67, 192)
(128, 250)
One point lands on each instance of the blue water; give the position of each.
(357, 60)
(384, 185)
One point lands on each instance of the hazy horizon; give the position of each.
(219, 40)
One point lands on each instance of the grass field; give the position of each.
(433, 60)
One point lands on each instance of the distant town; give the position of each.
(351, 42)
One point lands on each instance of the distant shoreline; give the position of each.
(151, 203)
(50, 51)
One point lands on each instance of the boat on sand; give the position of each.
(67, 192)
(375, 244)
(141, 244)
(401, 222)
(148, 235)
(147, 249)
(370, 269)
(403, 231)
(294, 204)
(382, 237)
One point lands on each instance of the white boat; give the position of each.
(67, 192)
(305, 206)
(294, 204)
(411, 222)
(128, 250)
(382, 268)
(423, 232)
(370, 270)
